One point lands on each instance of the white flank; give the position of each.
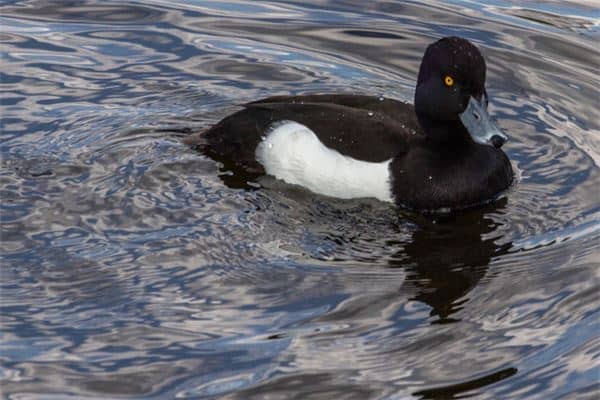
(293, 153)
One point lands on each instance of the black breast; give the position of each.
(430, 179)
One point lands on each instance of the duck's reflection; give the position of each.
(445, 258)
(448, 256)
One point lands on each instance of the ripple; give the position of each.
(80, 12)
(134, 266)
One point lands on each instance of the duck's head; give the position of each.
(450, 98)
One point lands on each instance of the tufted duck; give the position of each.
(442, 153)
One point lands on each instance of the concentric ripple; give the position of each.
(135, 267)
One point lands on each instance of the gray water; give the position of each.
(135, 267)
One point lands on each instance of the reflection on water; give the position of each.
(446, 259)
(133, 266)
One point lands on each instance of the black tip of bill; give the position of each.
(498, 141)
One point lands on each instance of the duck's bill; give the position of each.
(480, 126)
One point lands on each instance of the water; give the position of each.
(134, 267)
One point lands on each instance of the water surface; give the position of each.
(135, 267)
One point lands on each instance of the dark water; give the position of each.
(133, 267)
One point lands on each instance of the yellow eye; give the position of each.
(448, 80)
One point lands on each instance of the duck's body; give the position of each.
(362, 127)
(363, 146)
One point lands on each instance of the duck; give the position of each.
(442, 152)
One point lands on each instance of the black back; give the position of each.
(362, 127)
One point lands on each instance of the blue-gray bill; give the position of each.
(480, 126)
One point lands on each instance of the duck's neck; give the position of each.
(450, 136)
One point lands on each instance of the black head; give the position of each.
(450, 98)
